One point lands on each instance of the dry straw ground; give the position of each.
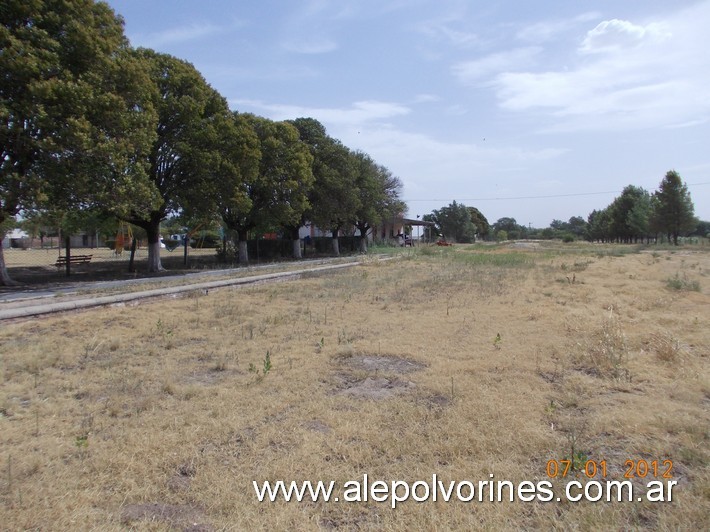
(464, 363)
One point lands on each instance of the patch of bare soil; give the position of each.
(182, 479)
(382, 363)
(524, 245)
(209, 377)
(376, 388)
(179, 516)
(382, 383)
(316, 425)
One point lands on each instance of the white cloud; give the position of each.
(434, 171)
(547, 30)
(689, 123)
(359, 113)
(480, 69)
(311, 45)
(264, 73)
(177, 35)
(426, 98)
(614, 35)
(458, 37)
(311, 27)
(417, 158)
(446, 27)
(641, 76)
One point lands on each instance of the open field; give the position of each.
(464, 363)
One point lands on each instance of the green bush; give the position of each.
(683, 283)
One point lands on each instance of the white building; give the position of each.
(14, 238)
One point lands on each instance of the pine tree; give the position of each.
(673, 211)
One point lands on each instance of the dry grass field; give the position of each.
(464, 363)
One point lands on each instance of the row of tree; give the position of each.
(90, 124)
(638, 215)
(634, 216)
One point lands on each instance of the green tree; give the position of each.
(509, 225)
(702, 229)
(625, 226)
(454, 222)
(378, 195)
(239, 171)
(277, 194)
(185, 157)
(335, 196)
(638, 219)
(577, 226)
(313, 134)
(599, 226)
(66, 103)
(483, 228)
(558, 225)
(673, 211)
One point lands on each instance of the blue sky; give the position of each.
(533, 110)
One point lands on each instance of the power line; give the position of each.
(540, 197)
(523, 197)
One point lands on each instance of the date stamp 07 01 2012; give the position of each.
(632, 468)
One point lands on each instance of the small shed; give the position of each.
(15, 238)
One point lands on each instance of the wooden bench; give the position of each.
(73, 259)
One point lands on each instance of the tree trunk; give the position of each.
(363, 237)
(5, 279)
(296, 239)
(67, 253)
(153, 230)
(131, 261)
(297, 254)
(243, 252)
(336, 246)
(242, 246)
(154, 263)
(363, 244)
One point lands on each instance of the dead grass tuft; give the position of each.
(605, 353)
(666, 347)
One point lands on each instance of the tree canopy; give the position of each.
(378, 193)
(335, 197)
(673, 208)
(274, 195)
(483, 228)
(637, 215)
(454, 222)
(184, 158)
(66, 103)
(508, 227)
